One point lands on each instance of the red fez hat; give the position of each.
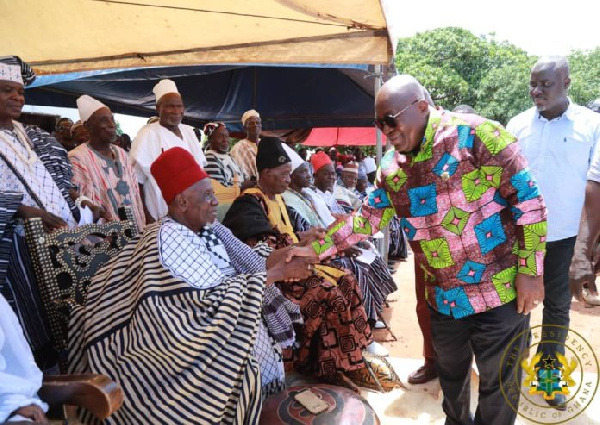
(319, 159)
(174, 171)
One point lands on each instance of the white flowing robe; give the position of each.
(20, 378)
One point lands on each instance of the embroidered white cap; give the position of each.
(249, 114)
(11, 73)
(163, 87)
(87, 105)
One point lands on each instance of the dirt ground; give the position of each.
(422, 404)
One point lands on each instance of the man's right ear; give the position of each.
(181, 202)
(423, 105)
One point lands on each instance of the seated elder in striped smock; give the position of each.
(195, 335)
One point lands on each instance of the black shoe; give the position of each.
(559, 402)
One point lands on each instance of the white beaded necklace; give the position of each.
(23, 139)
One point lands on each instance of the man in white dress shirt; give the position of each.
(558, 139)
(153, 139)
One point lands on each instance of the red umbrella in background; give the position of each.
(345, 136)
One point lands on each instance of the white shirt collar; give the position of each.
(567, 114)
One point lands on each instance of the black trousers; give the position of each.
(557, 296)
(486, 336)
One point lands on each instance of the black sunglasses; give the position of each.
(390, 120)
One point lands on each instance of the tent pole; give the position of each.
(385, 243)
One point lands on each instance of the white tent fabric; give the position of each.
(77, 35)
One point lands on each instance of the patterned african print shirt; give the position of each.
(470, 209)
(109, 182)
(244, 155)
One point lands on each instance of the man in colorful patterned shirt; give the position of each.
(477, 225)
(102, 170)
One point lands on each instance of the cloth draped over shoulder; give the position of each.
(35, 172)
(179, 341)
(278, 217)
(335, 327)
(223, 168)
(276, 213)
(24, 171)
(244, 155)
(303, 204)
(346, 198)
(374, 278)
(20, 378)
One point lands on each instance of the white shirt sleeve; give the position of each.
(143, 153)
(20, 378)
(594, 171)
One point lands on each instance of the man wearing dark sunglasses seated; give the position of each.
(477, 225)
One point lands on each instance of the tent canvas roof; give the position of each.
(77, 35)
(287, 96)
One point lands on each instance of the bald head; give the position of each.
(401, 87)
(548, 86)
(402, 110)
(558, 64)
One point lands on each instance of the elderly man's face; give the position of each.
(12, 100)
(199, 204)
(253, 126)
(170, 109)
(302, 176)
(102, 126)
(276, 179)
(219, 140)
(349, 178)
(325, 177)
(548, 87)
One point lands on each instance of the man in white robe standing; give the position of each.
(153, 139)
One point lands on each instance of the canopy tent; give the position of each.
(66, 36)
(287, 96)
(77, 35)
(116, 50)
(342, 136)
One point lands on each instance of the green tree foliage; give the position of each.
(458, 67)
(585, 75)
